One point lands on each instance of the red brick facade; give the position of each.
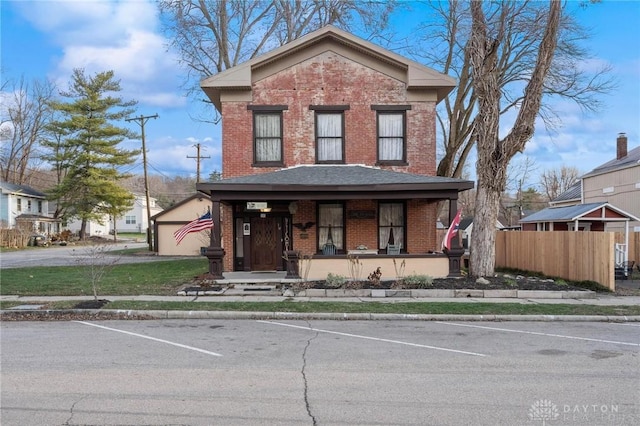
(328, 79)
(328, 70)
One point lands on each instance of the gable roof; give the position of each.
(414, 74)
(577, 212)
(631, 159)
(198, 195)
(12, 188)
(339, 181)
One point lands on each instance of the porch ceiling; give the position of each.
(334, 182)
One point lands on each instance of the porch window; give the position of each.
(330, 137)
(19, 204)
(39, 206)
(267, 130)
(29, 206)
(391, 229)
(331, 225)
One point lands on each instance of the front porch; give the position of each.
(288, 220)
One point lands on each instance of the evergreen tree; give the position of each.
(90, 185)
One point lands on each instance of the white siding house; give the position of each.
(24, 207)
(134, 220)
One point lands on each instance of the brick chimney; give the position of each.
(622, 146)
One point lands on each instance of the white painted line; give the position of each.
(539, 334)
(372, 338)
(191, 348)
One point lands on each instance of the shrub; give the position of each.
(418, 281)
(335, 280)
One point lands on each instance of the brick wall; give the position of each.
(328, 79)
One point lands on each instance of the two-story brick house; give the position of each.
(328, 149)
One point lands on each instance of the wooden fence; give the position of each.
(575, 256)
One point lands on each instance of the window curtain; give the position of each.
(391, 220)
(330, 217)
(390, 131)
(268, 137)
(329, 137)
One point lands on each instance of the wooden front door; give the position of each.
(265, 251)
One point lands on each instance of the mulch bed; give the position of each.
(462, 283)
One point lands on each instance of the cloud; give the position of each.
(120, 36)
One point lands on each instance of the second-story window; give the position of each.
(391, 133)
(267, 129)
(329, 133)
(329, 137)
(267, 134)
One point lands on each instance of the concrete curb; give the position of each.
(99, 314)
(404, 293)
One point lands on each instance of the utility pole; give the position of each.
(142, 120)
(198, 157)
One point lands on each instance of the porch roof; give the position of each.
(323, 182)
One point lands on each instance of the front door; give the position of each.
(265, 251)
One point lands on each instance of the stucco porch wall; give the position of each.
(435, 266)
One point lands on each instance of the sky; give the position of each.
(48, 39)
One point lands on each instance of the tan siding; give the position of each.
(625, 194)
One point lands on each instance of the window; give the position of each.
(391, 225)
(329, 133)
(391, 133)
(331, 225)
(29, 205)
(267, 134)
(39, 206)
(19, 204)
(130, 220)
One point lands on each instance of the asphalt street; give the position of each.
(68, 255)
(241, 372)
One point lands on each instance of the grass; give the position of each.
(432, 308)
(151, 278)
(165, 277)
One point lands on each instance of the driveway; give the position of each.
(69, 255)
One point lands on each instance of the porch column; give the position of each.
(215, 253)
(456, 251)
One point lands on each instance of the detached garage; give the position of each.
(166, 223)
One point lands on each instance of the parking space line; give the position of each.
(538, 333)
(180, 345)
(373, 338)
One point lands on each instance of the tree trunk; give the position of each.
(482, 255)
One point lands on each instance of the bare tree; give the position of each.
(211, 36)
(556, 181)
(443, 46)
(23, 122)
(495, 153)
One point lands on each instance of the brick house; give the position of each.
(328, 150)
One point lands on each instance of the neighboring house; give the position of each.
(134, 220)
(170, 220)
(25, 208)
(329, 150)
(616, 182)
